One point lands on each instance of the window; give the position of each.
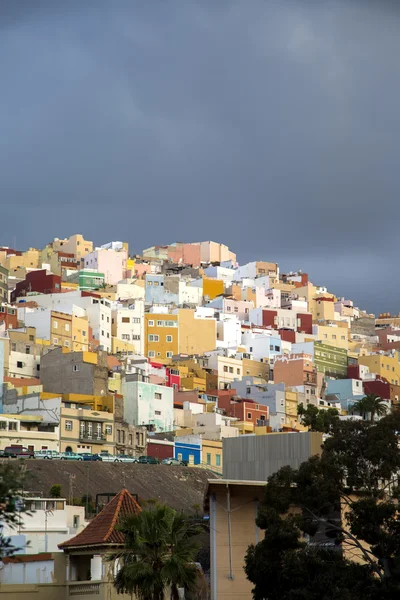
(55, 324)
(169, 338)
(235, 308)
(271, 347)
(333, 336)
(225, 369)
(228, 309)
(76, 521)
(249, 415)
(108, 319)
(158, 396)
(108, 429)
(342, 337)
(66, 343)
(75, 368)
(325, 336)
(31, 338)
(248, 390)
(169, 354)
(154, 338)
(149, 283)
(218, 460)
(125, 336)
(155, 283)
(151, 323)
(102, 317)
(276, 348)
(68, 425)
(171, 324)
(160, 323)
(66, 326)
(208, 458)
(55, 340)
(157, 412)
(262, 417)
(180, 456)
(238, 371)
(12, 426)
(130, 439)
(151, 354)
(19, 364)
(230, 369)
(13, 346)
(27, 350)
(125, 319)
(135, 320)
(136, 337)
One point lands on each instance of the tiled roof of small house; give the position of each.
(101, 531)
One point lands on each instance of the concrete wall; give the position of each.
(57, 374)
(255, 458)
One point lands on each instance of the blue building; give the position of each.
(155, 292)
(348, 391)
(188, 447)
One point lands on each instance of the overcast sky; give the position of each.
(269, 125)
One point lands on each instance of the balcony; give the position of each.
(97, 438)
(84, 589)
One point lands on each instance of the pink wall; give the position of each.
(109, 262)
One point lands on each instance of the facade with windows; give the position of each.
(188, 448)
(161, 336)
(330, 360)
(127, 327)
(3, 284)
(147, 404)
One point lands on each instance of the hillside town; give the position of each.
(176, 374)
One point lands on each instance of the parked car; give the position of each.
(105, 456)
(126, 458)
(148, 460)
(89, 456)
(171, 461)
(71, 456)
(47, 454)
(18, 452)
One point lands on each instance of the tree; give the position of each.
(372, 405)
(159, 553)
(332, 526)
(12, 479)
(55, 491)
(317, 420)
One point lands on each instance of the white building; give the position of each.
(45, 523)
(127, 324)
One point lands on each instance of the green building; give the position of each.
(89, 279)
(330, 360)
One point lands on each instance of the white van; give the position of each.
(47, 454)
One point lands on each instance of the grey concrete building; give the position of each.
(256, 457)
(74, 372)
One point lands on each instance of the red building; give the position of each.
(243, 409)
(9, 316)
(379, 387)
(173, 378)
(270, 318)
(37, 281)
(160, 448)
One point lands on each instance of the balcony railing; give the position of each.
(99, 438)
(84, 589)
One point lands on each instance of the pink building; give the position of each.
(187, 254)
(110, 262)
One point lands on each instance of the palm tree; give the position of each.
(159, 554)
(372, 405)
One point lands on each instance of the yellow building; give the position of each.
(29, 259)
(384, 365)
(196, 335)
(212, 454)
(333, 336)
(212, 287)
(69, 331)
(23, 430)
(161, 339)
(255, 368)
(76, 245)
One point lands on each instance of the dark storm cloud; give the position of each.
(269, 125)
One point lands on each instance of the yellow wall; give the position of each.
(196, 335)
(90, 357)
(254, 368)
(30, 258)
(385, 366)
(118, 345)
(212, 287)
(61, 329)
(322, 310)
(160, 347)
(194, 383)
(212, 448)
(71, 437)
(80, 334)
(333, 336)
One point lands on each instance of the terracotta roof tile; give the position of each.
(101, 531)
